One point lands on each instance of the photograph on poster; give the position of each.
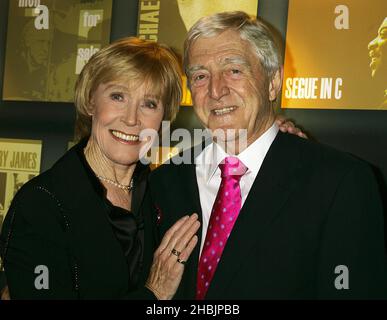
(48, 43)
(336, 55)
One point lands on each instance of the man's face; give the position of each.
(38, 45)
(19, 180)
(378, 52)
(39, 51)
(228, 85)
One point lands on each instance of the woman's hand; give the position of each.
(170, 257)
(289, 127)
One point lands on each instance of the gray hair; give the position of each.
(253, 30)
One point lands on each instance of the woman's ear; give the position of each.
(275, 84)
(89, 112)
(90, 107)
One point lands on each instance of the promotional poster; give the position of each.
(48, 43)
(19, 162)
(168, 21)
(334, 55)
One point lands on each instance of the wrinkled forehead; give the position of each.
(227, 43)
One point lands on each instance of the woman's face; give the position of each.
(120, 112)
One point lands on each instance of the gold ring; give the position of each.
(181, 261)
(175, 252)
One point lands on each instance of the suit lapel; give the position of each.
(268, 194)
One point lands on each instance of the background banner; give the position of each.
(334, 55)
(19, 162)
(167, 21)
(48, 43)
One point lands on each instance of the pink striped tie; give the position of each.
(224, 213)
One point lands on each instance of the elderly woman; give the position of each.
(76, 230)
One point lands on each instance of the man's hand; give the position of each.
(289, 127)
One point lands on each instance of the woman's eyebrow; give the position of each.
(152, 96)
(116, 86)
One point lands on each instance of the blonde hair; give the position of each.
(132, 59)
(253, 30)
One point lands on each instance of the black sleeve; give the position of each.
(353, 237)
(31, 237)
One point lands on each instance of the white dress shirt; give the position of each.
(208, 172)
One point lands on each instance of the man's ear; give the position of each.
(275, 84)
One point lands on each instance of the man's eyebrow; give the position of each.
(195, 68)
(226, 61)
(235, 60)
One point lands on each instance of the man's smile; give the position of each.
(224, 110)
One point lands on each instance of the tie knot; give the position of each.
(232, 166)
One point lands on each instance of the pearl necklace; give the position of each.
(125, 187)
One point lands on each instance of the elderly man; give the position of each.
(282, 217)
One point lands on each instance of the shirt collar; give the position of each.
(252, 157)
(254, 154)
